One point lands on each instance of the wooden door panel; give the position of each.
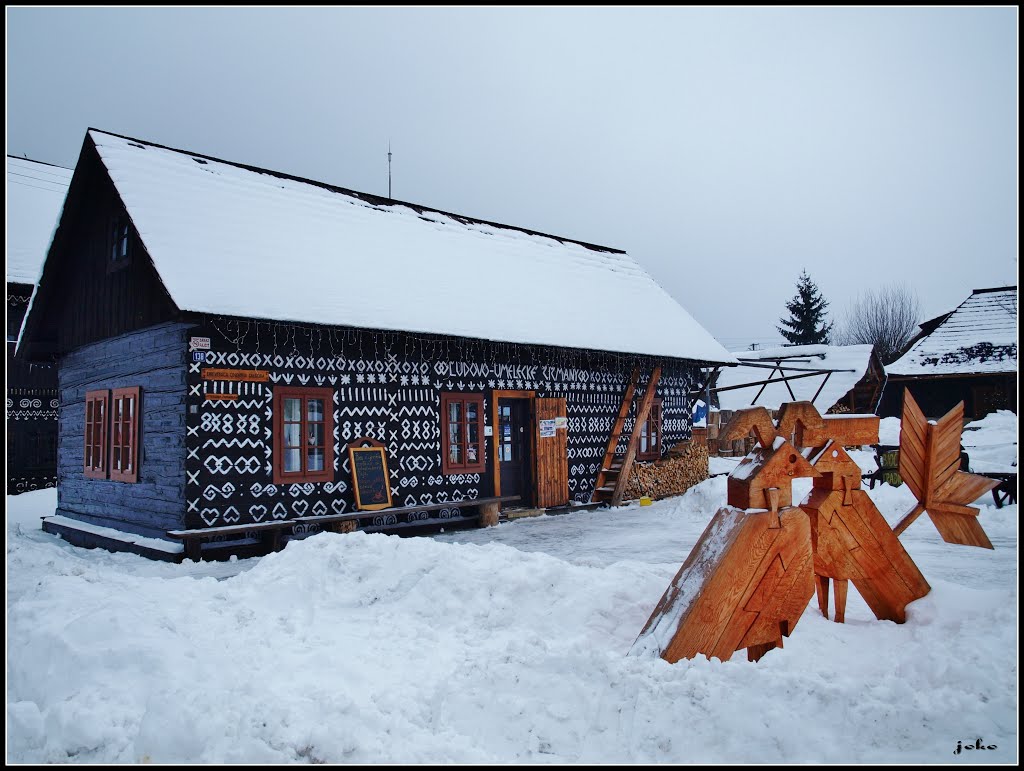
(552, 459)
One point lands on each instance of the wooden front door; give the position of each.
(513, 443)
(552, 453)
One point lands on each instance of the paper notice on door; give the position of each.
(547, 428)
(561, 423)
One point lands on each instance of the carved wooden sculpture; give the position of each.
(853, 542)
(930, 465)
(751, 574)
(749, 578)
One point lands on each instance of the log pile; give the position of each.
(683, 466)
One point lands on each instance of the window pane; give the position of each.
(314, 460)
(315, 435)
(474, 430)
(455, 454)
(643, 442)
(471, 408)
(293, 409)
(454, 412)
(115, 459)
(293, 460)
(455, 433)
(315, 410)
(471, 453)
(292, 434)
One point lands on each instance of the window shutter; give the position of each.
(125, 405)
(94, 460)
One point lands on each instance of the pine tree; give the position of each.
(806, 322)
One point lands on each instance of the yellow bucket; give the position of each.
(645, 501)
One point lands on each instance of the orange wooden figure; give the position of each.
(801, 423)
(853, 542)
(748, 579)
(930, 465)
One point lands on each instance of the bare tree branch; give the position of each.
(886, 318)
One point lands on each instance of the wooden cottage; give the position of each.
(227, 338)
(969, 355)
(35, 193)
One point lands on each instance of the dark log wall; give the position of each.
(388, 386)
(84, 295)
(937, 396)
(31, 408)
(153, 359)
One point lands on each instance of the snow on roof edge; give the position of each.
(706, 350)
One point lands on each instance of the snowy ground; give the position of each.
(500, 645)
(991, 443)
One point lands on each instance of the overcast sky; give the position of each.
(725, 150)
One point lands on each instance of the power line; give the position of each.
(37, 179)
(61, 174)
(36, 187)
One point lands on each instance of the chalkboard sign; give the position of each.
(370, 478)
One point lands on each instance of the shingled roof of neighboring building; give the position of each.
(979, 337)
(35, 194)
(236, 240)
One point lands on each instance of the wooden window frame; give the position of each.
(125, 438)
(282, 477)
(480, 465)
(119, 231)
(654, 450)
(94, 455)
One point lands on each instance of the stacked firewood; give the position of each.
(681, 468)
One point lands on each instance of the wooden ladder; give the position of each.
(611, 482)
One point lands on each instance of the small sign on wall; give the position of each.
(199, 344)
(547, 428)
(488, 430)
(246, 375)
(561, 423)
(199, 356)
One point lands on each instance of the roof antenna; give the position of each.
(389, 169)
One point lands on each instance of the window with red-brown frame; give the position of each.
(112, 434)
(303, 435)
(97, 417)
(650, 435)
(462, 432)
(125, 404)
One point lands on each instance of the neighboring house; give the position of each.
(223, 333)
(969, 355)
(844, 378)
(35, 193)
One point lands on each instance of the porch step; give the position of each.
(520, 513)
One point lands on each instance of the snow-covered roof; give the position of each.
(852, 359)
(240, 241)
(978, 338)
(35, 195)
